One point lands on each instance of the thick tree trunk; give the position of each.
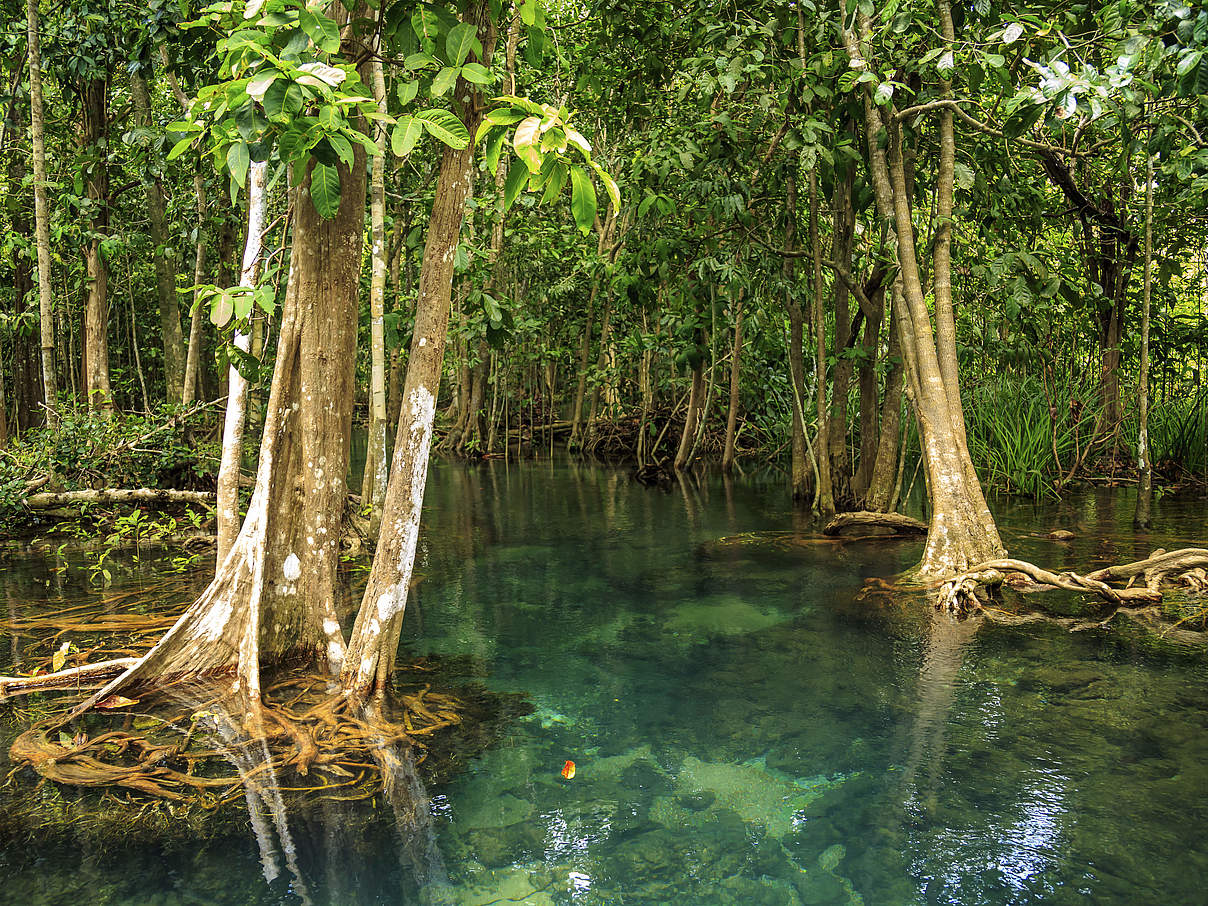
(94, 102)
(50, 384)
(164, 255)
(1144, 465)
(237, 389)
(373, 487)
(727, 457)
(375, 635)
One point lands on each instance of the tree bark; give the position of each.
(373, 487)
(94, 103)
(237, 389)
(375, 635)
(884, 470)
(164, 254)
(50, 384)
(801, 479)
(874, 316)
(727, 457)
(824, 498)
(1144, 465)
(844, 236)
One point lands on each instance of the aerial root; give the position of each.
(303, 731)
(1142, 580)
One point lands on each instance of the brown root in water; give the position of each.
(326, 743)
(1186, 568)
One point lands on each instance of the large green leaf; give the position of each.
(610, 186)
(444, 126)
(325, 190)
(494, 149)
(443, 81)
(283, 99)
(517, 176)
(459, 43)
(427, 28)
(237, 160)
(406, 133)
(528, 134)
(323, 31)
(582, 199)
(477, 73)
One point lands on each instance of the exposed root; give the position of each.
(1185, 568)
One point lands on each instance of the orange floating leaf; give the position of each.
(568, 770)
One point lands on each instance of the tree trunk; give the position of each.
(844, 235)
(696, 399)
(192, 381)
(95, 129)
(824, 500)
(961, 532)
(373, 487)
(1141, 518)
(874, 316)
(801, 477)
(375, 635)
(164, 254)
(880, 496)
(50, 384)
(237, 389)
(274, 592)
(727, 457)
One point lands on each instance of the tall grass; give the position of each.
(1178, 434)
(1013, 433)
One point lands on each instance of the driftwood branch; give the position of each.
(89, 676)
(896, 522)
(110, 496)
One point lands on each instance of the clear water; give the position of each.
(745, 729)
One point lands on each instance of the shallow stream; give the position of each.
(745, 727)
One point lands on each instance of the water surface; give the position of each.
(747, 727)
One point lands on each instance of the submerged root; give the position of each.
(301, 730)
(1187, 568)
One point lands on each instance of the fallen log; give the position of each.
(88, 676)
(111, 496)
(897, 523)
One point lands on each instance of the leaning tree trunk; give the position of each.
(1144, 465)
(801, 478)
(96, 307)
(46, 327)
(696, 400)
(237, 388)
(373, 645)
(273, 596)
(164, 255)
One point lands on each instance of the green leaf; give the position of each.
(443, 81)
(406, 133)
(528, 12)
(610, 186)
(407, 92)
(322, 31)
(963, 174)
(325, 190)
(259, 85)
(556, 182)
(342, 147)
(477, 73)
(283, 99)
(180, 147)
(444, 126)
(645, 205)
(582, 199)
(514, 184)
(460, 42)
(238, 159)
(427, 28)
(494, 149)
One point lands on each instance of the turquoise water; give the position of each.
(746, 728)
